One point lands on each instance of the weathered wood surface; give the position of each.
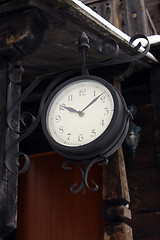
(146, 224)
(130, 16)
(144, 200)
(150, 178)
(136, 19)
(117, 214)
(118, 232)
(142, 171)
(115, 187)
(116, 192)
(22, 34)
(59, 48)
(9, 182)
(145, 155)
(3, 183)
(154, 11)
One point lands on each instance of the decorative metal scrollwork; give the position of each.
(114, 52)
(35, 120)
(15, 73)
(84, 171)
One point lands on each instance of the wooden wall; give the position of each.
(143, 171)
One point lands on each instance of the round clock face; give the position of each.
(79, 113)
(85, 117)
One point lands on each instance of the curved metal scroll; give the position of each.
(35, 120)
(105, 45)
(84, 171)
(104, 49)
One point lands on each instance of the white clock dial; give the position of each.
(79, 113)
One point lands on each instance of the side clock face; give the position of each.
(78, 116)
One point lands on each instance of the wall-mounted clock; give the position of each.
(85, 117)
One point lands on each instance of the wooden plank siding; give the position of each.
(142, 171)
(154, 12)
(127, 15)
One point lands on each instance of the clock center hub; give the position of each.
(81, 114)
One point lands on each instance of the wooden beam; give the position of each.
(8, 181)
(117, 213)
(118, 232)
(116, 192)
(17, 42)
(3, 182)
(135, 18)
(67, 20)
(115, 186)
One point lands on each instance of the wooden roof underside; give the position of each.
(59, 48)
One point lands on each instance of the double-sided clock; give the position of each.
(85, 117)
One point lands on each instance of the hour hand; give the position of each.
(70, 109)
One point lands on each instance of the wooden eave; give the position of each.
(65, 21)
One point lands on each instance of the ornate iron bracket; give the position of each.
(15, 73)
(84, 171)
(112, 53)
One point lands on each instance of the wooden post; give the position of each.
(22, 34)
(8, 181)
(116, 195)
(129, 16)
(117, 199)
(3, 182)
(115, 185)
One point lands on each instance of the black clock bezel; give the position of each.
(108, 141)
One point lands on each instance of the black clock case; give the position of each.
(111, 138)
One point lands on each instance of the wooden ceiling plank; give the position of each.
(67, 19)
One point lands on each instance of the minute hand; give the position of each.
(93, 101)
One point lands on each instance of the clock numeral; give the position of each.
(61, 129)
(68, 136)
(93, 133)
(70, 97)
(58, 118)
(101, 123)
(106, 111)
(62, 107)
(82, 92)
(94, 94)
(103, 99)
(80, 138)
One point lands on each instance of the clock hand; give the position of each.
(70, 109)
(93, 101)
